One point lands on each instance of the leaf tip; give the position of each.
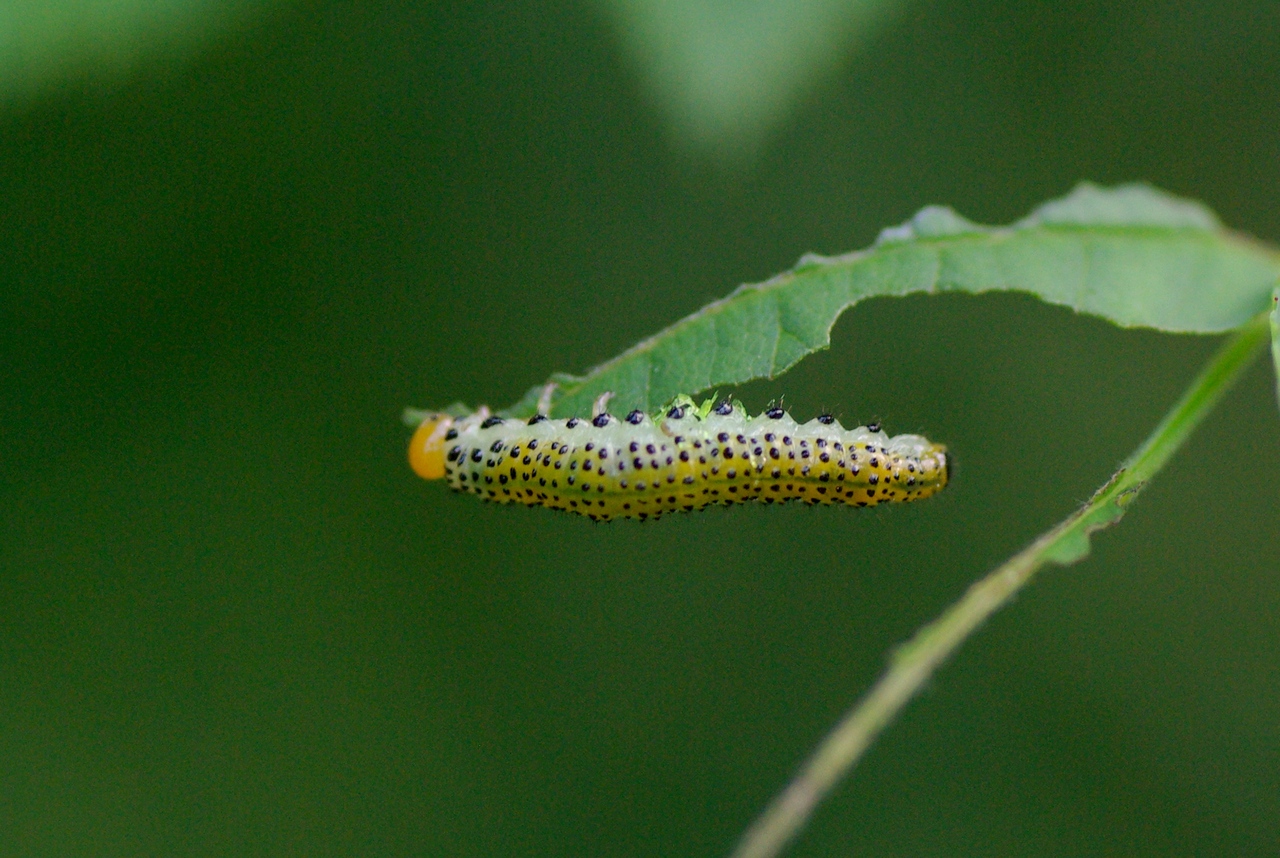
(929, 222)
(1135, 204)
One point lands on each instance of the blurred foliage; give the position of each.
(49, 42)
(726, 73)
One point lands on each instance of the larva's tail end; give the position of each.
(426, 450)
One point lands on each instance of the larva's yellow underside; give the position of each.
(642, 466)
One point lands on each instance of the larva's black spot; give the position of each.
(825, 457)
(676, 412)
(634, 446)
(572, 423)
(873, 427)
(589, 447)
(724, 408)
(453, 453)
(688, 481)
(874, 479)
(728, 452)
(875, 463)
(826, 419)
(638, 462)
(490, 422)
(604, 453)
(476, 455)
(684, 455)
(775, 413)
(650, 449)
(600, 421)
(635, 418)
(786, 440)
(515, 451)
(451, 434)
(527, 460)
(758, 451)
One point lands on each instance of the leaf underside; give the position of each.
(1133, 255)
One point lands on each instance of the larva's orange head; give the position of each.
(427, 449)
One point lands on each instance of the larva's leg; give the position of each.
(601, 405)
(544, 399)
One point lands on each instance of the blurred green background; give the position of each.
(232, 622)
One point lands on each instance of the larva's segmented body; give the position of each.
(684, 458)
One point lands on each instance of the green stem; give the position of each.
(1275, 337)
(1066, 543)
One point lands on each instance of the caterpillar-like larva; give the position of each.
(684, 457)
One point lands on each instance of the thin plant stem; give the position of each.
(912, 665)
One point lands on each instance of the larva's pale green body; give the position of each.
(684, 458)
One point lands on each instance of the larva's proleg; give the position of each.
(683, 458)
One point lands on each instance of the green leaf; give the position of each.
(1133, 255)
